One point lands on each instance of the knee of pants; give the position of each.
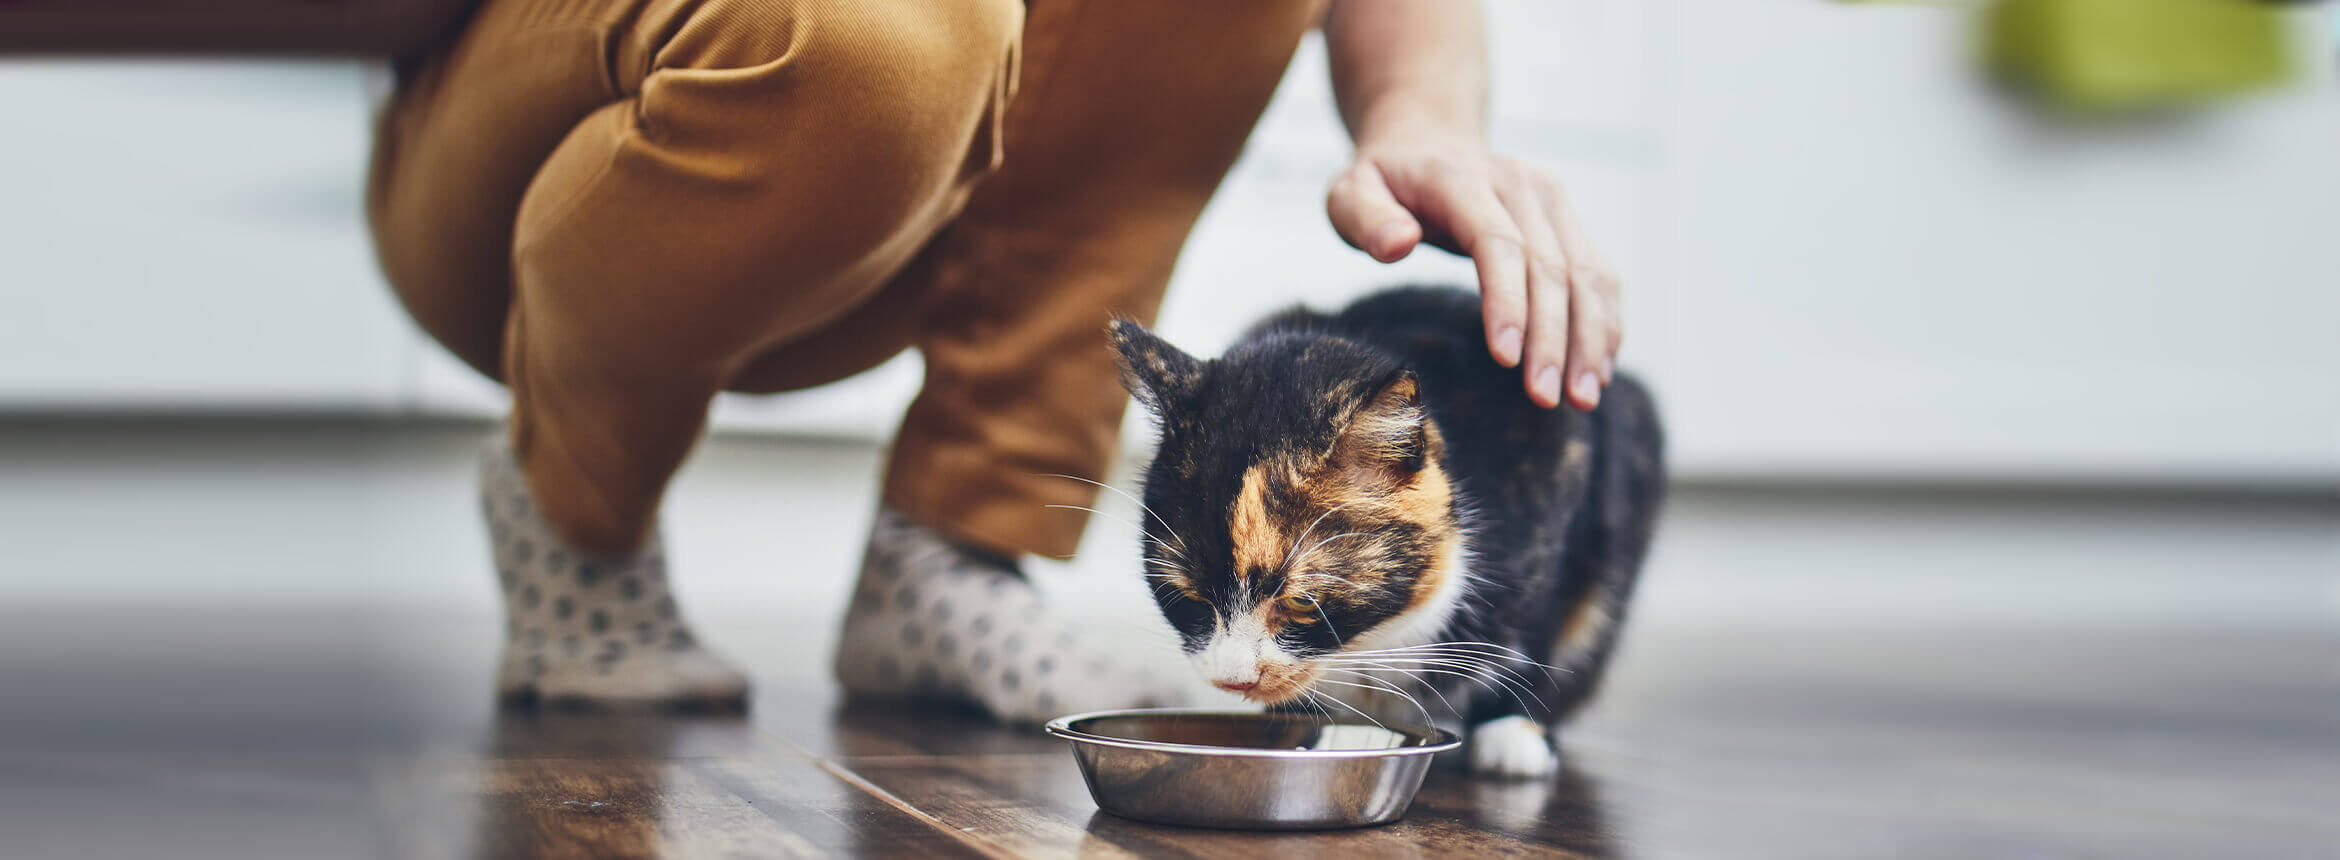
(884, 36)
(778, 163)
(914, 88)
(876, 71)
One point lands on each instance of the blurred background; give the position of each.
(2012, 358)
(1850, 255)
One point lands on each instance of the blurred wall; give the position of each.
(1845, 255)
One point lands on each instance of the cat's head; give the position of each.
(1298, 505)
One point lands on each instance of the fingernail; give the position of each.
(1588, 388)
(1386, 238)
(1507, 344)
(1548, 384)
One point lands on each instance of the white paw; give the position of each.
(1514, 747)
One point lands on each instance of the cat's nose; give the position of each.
(1235, 686)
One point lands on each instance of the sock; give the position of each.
(587, 627)
(931, 618)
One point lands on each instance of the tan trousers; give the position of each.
(622, 207)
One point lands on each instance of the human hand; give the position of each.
(1549, 298)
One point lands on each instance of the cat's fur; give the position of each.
(1372, 479)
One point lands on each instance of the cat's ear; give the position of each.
(1155, 372)
(1388, 436)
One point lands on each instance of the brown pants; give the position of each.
(622, 207)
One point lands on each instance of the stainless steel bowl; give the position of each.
(1248, 771)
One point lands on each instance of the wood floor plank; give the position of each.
(832, 726)
(615, 786)
(1735, 745)
(1020, 790)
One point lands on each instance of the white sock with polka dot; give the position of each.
(932, 619)
(589, 628)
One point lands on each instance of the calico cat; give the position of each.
(1362, 513)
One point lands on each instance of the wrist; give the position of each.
(1398, 119)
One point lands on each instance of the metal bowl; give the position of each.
(1247, 771)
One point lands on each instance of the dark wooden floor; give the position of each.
(879, 782)
(207, 737)
(202, 655)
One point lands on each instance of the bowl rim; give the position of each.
(1439, 740)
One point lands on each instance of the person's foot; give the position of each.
(931, 618)
(588, 628)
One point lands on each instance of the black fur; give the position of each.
(1547, 537)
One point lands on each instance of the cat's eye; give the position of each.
(1303, 608)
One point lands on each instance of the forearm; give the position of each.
(1400, 64)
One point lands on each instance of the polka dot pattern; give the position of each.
(930, 619)
(583, 625)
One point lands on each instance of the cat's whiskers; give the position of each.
(1457, 661)
(1411, 675)
(1181, 542)
(1320, 710)
(1460, 659)
(1506, 675)
(1480, 657)
(1379, 683)
(1379, 687)
(1481, 650)
(1173, 551)
(1484, 675)
(1491, 682)
(1462, 644)
(1352, 708)
(1141, 530)
(1318, 699)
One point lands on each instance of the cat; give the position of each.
(1361, 513)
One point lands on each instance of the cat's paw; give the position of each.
(1512, 748)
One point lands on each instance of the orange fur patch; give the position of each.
(1281, 682)
(1587, 620)
(1359, 480)
(1259, 540)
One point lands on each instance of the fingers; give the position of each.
(1588, 347)
(1467, 208)
(1548, 298)
(1549, 312)
(1593, 292)
(1368, 216)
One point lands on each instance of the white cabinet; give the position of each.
(1879, 265)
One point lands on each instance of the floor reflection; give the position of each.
(1564, 811)
(561, 784)
(863, 726)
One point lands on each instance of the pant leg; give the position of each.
(1129, 115)
(761, 168)
(456, 148)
